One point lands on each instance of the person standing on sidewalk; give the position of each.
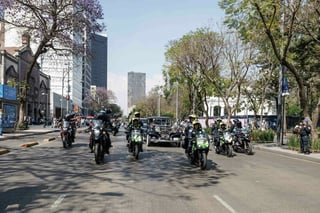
(305, 132)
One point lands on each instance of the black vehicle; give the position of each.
(99, 140)
(176, 134)
(66, 133)
(241, 141)
(159, 130)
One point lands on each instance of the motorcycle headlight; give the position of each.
(96, 133)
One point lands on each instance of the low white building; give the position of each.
(216, 108)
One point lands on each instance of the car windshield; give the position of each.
(162, 121)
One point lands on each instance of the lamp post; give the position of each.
(47, 107)
(64, 74)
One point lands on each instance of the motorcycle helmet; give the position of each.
(137, 114)
(192, 116)
(196, 122)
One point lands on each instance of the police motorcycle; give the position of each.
(115, 127)
(67, 130)
(197, 145)
(224, 146)
(241, 141)
(135, 142)
(135, 138)
(100, 142)
(199, 149)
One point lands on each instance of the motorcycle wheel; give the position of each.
(249, 149)
(148, 140)
(64, 143)
(217, 150)
(136, 151)
(98, 153)
(203, 160)
(229, 150)
(69, 142)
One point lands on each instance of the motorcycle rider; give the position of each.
(137, 116)
(105, 116)
(135, 124)
(215, 131)
(222, 128)
(187, 131)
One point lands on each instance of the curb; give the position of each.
(288, 154)
(4, 151)
(49, 139)
(29, 144)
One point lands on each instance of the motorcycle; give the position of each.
(66, 133)
(225, 146)
(135, 143)
(241, 141)
(115, 128)
(199, 150)
(99, 140)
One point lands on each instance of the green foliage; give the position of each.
(263, 136)
(294, 144)
(23, 126)
(293, 110)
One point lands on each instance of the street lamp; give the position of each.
(66, 73)
(47, 107)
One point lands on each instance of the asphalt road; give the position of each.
(47, 177)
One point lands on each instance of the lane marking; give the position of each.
(58, 201)
(225, 204)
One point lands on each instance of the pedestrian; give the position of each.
(304, 133)
(44, 122)
(296, 131)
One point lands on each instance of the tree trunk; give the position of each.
(315, 118)
(21, 112)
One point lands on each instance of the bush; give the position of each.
(262, 136)
(294, 144)
(23, 125)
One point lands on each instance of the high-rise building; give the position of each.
(136, 88)
(99, 60)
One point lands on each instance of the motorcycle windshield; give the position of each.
(227, 137)
(136, 136)
(96, 123)
(65, 124)
(202, 141)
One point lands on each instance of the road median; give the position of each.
(29, 144)
(4, 151)
(49, 139)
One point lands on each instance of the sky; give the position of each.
(139, 31)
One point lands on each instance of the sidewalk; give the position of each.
(33, 130)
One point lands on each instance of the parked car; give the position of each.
(159, 130)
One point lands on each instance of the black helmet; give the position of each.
(108, 111)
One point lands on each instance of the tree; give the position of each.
(102, 98)
(187, 60)
(51, 25)
(283, 25)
